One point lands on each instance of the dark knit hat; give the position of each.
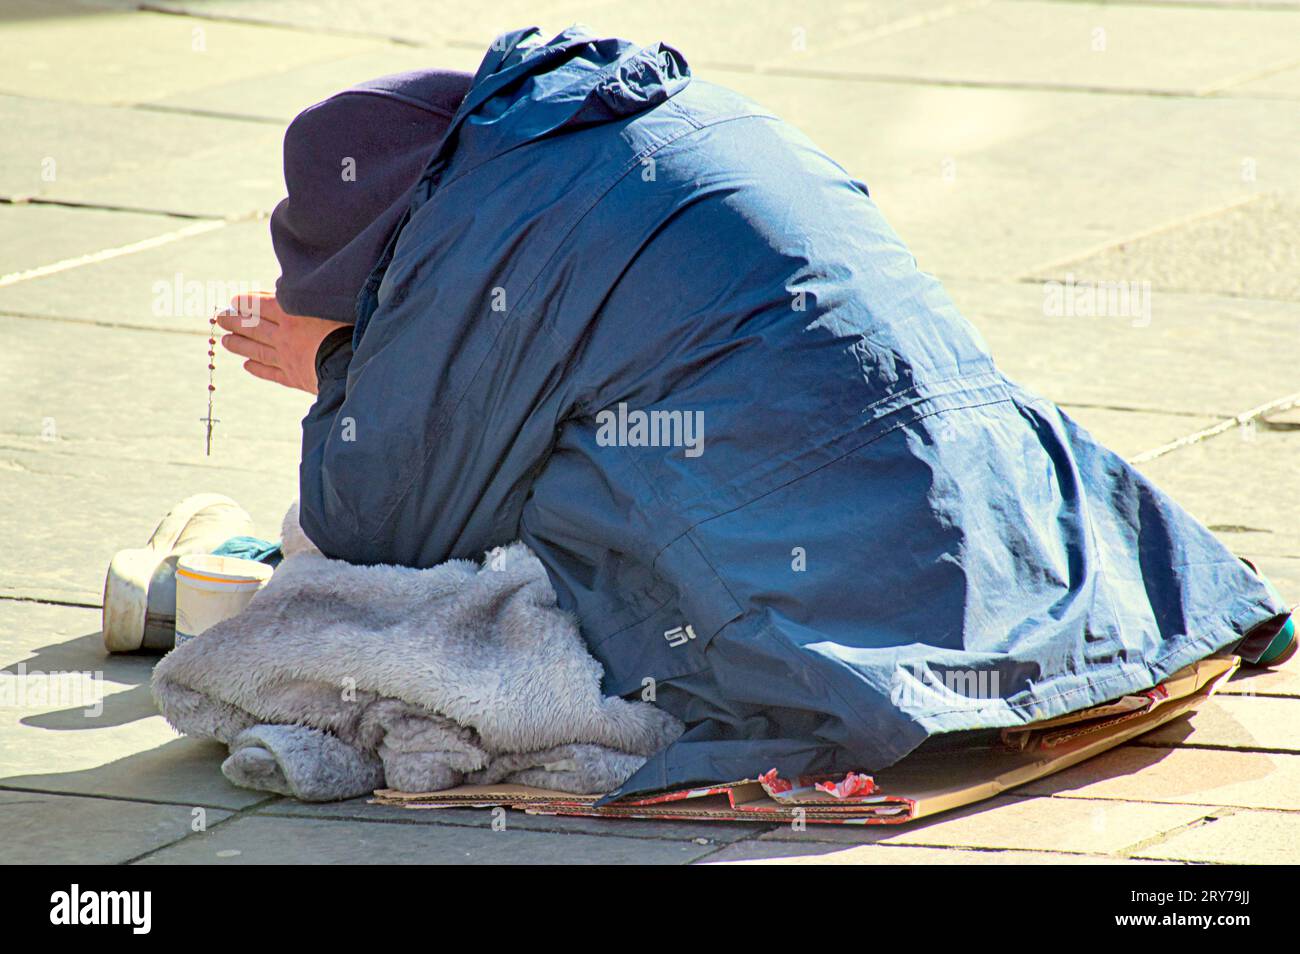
(350, 164)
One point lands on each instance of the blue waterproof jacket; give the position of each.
(640, 323)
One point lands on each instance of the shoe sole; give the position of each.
(126, 617)
(1282, 648)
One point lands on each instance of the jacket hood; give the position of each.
(334, 223)
(526, 89)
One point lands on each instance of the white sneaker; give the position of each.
(140, 588)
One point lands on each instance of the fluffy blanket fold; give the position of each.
(339, 679)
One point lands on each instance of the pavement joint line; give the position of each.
(1223, 293)
(165, 108)
(1175, 290)
(794, 72)
(1240, 420)
(1046, 271)
(206, 113)
(1215, 810)
(1126, 800)
(901, 25)
(753, 835)
(721, 846)
(879, 31)
(1211, 747)
(204, 465)
(48, 601)
(118, 251)
(272, 25)
(1171, 289)
(1012, 85)
(988, 849)
(236, 814)
(1268, 96)
(1138, 410)
(774, 70)
(455, 823)
(6, 787)
(201, 467)
(1267, 5)
(18, 200)
(1249, 76)
(84, 603)
(77, 451)
(27, 316)
(1209, 818)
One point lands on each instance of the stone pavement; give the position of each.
(1011, 142)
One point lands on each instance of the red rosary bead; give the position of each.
(212, 356)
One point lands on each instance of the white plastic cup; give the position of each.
(212, 588)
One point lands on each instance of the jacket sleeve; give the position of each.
(417, 450)
(332, 361)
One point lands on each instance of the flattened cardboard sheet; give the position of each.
(919, 786)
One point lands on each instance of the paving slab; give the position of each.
(144, 405)
(1073, 189)
(905, 127)
(151, 161)
(784, 32)
(1245, 838)
(257, 839)
(413, 21)
(1231, 4)
(972, 198)
(100, 472)
(1198, 354)
(1264, 262)
(1239, 485)
(65, 830)
(1075, 826)
(996, 182)
(1281, 84)
(40, 235)
(89, 464)
(752, 36)
(77, 721)
(1281, 681)
(1284, 572)
(786, 853)
(1188, 50)
(984, 197)
(171, 287)
(1129, 433)
(358, 809)
(787, 36)
(1186, 776)
(74, 512)
(1236, 722)
(292, 91)
(141, 56)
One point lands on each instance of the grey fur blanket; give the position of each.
(339, 679)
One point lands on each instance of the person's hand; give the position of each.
(278, 346)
